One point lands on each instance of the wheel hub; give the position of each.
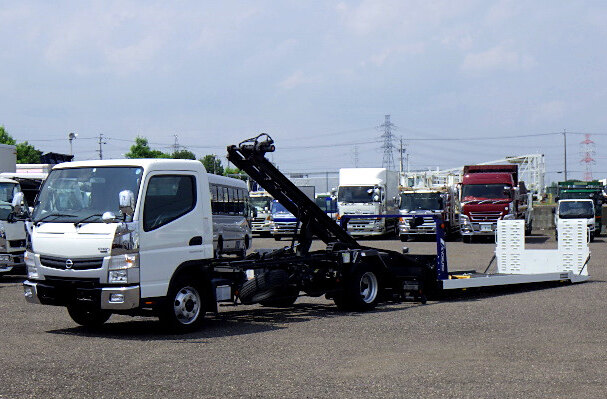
(187, 305)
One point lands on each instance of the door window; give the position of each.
(168, 197)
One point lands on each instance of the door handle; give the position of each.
(196, 240)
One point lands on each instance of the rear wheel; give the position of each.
(467, 239)
(184, 308)
(361, 290)
(87, 316)
(265, 287)
(404, 237)
(528, 229)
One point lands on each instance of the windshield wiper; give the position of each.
(87, 218)
(53, 214)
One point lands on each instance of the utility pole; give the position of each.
(356, 156)
(101, 142)
(402, 152)
(565, 150)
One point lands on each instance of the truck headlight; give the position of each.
(121, 262)
(118, 276)
(30, 263)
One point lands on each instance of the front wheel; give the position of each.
(184, 307)
(361, 290)
(88, 317)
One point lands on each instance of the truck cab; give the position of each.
(490, 193)
(368, 191)
(112, 236)
(261, 223)
(576, 209)
(426, 204)
(284, 223)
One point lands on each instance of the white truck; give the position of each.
(368, 191)
(261, 223)
(12, 230)
(576, 209)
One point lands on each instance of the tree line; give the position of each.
(27, 153)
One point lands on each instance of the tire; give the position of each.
(467, 239)
(404, 237)
(284, 300)
(88, 316)
(184, 308)
(264, 287)
(277, 238)
(361, 290)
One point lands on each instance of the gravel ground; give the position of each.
(539, 341)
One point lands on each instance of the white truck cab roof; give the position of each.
(145, 163)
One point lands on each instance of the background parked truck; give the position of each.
(490, 193)
(576, 209)
(261, 223)
(368, 191)
(427, 203)
(592, 190)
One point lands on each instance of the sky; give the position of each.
(507, 77)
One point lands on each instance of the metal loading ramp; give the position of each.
(518, 265)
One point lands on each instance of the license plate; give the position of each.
(486, 227)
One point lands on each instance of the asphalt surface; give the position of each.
(544, 341)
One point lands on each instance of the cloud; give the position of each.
(497, 58)
(549, 112)
(294, 80)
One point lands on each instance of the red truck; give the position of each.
(489, 193)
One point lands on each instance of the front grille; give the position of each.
(77, 264)
(16, 243)
(485, 216)
(62, 282)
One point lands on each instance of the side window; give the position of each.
(168, 197)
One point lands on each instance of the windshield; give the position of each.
(277, 207)
(72, 195)
(355, 194)
(421, 201)
(261, 203)
(471, 192)
(327, 204)
(576, 209)
(7, 190)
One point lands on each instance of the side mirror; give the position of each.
(553, 211)
(18, 202)
(376, 198)
(108, 217)
(127, 202)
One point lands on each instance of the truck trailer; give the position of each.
(490, 193)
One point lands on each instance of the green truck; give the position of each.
(574, 189)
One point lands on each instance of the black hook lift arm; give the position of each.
(249, 156)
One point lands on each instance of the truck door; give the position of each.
(171, 229)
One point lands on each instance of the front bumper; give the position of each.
(11, 262)
(480, 229)
(110, 298)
